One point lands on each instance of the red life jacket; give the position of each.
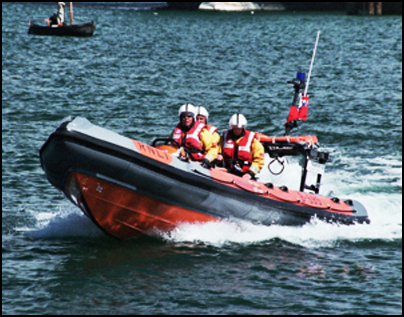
(235, 155)
(190, 140)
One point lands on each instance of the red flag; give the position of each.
(303, 107)
(300, 113)
(293, 114)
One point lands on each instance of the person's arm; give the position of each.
(220, 149)
(216, 139)
(211, 149)
(257, 157)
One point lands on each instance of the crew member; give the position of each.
(202, 116)
(53, 20)
(194, 136)
(61, 13)
(242, 153)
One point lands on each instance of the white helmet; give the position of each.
(203, 112)
(187, 108)
(238, 120)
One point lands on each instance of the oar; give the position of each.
(71, 13)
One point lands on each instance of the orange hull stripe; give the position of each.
(291, 196)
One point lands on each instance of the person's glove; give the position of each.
(252, 175)
(205, 163)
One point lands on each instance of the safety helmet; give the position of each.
(187, 108)
(203, 112)
(238, 121)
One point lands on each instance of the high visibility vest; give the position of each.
(190, 140)
(238, 153)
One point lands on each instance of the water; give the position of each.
(132, 77)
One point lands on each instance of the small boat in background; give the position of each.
(229, 6)
(85, 29)
(62, 29)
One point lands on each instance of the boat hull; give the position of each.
(81, 30)
(125, 213)
(129, 188)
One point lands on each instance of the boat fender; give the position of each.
(284, 188)
(335, 200)
(269, 185)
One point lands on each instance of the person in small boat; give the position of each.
(59, 17)
(241, 152)
(194, 136)
(53, 20)
(61, 13)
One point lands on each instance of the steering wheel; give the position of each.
(167, 142)
(175, 143)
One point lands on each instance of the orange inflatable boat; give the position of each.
(128, 188)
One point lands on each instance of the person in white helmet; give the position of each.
(242, 153)
(202, 116)
(194, 136)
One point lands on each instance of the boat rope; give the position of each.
(280, 162)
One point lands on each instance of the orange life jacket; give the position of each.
(190, 140)
(237, 156)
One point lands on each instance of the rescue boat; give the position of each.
(129, 188)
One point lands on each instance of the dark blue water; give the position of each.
(131, 77)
